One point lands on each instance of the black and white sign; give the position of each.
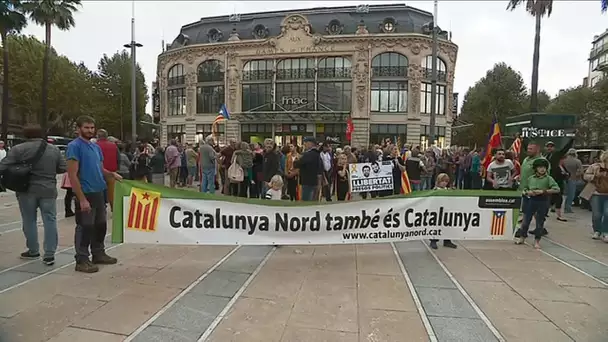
(366, 177)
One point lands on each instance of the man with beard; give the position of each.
(527, 170)
(86, 172)
(500, 172)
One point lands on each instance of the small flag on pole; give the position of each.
(221, 116)
(516, 146)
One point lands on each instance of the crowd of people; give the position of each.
(316, 171)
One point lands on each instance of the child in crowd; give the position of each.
(442, 183)
(537, 192)
(275, 191)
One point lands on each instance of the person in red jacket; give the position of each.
(110, 153)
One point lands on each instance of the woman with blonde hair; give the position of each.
(342, 183)
(291, 174)
(597, 176)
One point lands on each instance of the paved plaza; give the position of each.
(483, 291)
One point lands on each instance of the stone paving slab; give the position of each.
(189, 317)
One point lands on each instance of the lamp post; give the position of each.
(133, 45)
(434, 77)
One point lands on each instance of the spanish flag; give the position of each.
(143, 210)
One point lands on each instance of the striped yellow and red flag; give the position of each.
(406, 186)
(144, 206)
(516, 146)
(499, 222)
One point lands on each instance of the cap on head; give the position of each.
(550, 143)
(541, 162)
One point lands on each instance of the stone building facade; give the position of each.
(288, 75)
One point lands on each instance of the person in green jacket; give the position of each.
(538, 189)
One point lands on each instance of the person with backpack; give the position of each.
(140, 166)
(36, 188)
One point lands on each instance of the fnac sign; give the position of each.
(143, 210)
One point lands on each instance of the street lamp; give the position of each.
(133, 45)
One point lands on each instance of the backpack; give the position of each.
(235, 171)
(17, 176)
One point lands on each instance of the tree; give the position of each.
(591, 107)
(12, 20)
(115, 79)
(537, 8)
(72, 89)
(501, 94)
(49, 13)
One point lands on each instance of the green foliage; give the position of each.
(501, 94)
(542, 7)
(114, 74)
(12, 19)
(591, 107)
(74, 89)
(58, 13)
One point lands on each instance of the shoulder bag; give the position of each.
(17, 176)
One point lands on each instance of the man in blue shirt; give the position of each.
(86, 172)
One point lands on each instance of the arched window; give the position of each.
(176, 90)
(334, 88)
(426, 88)
(210, 87)
(257, 85)
(295, 84)
(389, 83)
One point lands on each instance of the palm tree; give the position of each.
(11, 20)
(49, 13)
(537, 8)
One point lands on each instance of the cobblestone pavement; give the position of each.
(483, 291)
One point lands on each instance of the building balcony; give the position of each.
(598, 50)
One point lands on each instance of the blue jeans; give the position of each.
(536, 207)
(29, 205)
(570, 192)
(426, 183)
(599, 215)
(208, 181)
(416, 186)
(308, 192)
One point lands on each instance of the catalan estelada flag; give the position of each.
(143, 210)
(516, 146)
(494, 141)
(499, 222)
(406, 186)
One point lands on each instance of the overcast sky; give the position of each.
(484, 31)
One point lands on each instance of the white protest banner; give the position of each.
(365, 177)
(146, 216)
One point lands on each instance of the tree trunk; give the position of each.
(5, 86)
(535, 63)
(45, 79)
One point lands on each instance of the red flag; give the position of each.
(516, 146)
(494, 141)
(350, 128)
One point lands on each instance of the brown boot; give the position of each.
(104, 259)
(86, 266)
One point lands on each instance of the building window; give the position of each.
(334, 67)
(256, 133)
(427, 69)
(257, 97)
(379, 133)
(425, 99)
(257, 85)
(176, 91)
(333, 131)
(296, 69)
(389, 64)
(334, 96)
(258, 70)
(214, 35)
(388, 26)
(203, 131)
(295, 96)
(439, 136)
(260, 31)
(389, 83)
(177, 132)
(334, 27)
(210, 88)
(389, 97)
